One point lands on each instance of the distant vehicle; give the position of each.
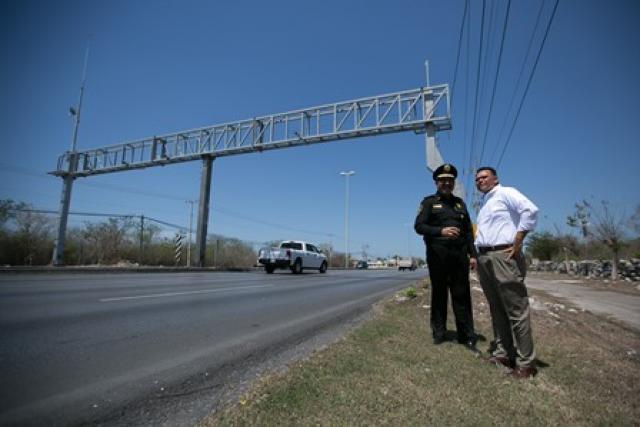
(294, 255)
(362, 265)
(407, 264)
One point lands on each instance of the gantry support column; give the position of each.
(203, 209)
(65, 201)
(434, 158)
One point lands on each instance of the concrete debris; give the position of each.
(572, 310)
(536, 305)
(557, 306)
(476, 288)
(628, 270)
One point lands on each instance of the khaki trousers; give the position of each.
(502, 281)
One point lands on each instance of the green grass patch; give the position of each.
(388, 372)
(410, 292)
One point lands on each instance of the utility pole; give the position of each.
(190, 202)
(346, 217)
(141, 256)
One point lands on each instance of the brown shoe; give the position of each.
(522, 372)
(499, 360)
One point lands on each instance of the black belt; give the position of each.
(485, 249)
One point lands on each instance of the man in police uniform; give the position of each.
(444, 223)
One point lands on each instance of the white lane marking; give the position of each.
(173, 294)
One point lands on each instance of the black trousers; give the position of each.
(449, 273)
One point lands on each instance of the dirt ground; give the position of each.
(623, 286)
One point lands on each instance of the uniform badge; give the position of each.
(438, 206)
(447, 168)
(458, 205)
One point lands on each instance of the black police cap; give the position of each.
(445, 171)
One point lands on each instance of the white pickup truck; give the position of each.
(295, 255)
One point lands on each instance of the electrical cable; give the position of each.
(520, 74)
(465, 170)
(495, 81)
(535, 65)
(455, 72)
(475, 111)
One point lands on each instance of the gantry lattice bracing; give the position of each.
(394, 112)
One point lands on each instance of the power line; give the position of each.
(97, 214)
(495, 81)
(535, 65)
(455, 72)
(50, 211)
(475, 110)
(270, 224)
(520, 74)
(465, 171)
(484, 75)
(133, 191)
(38, 174)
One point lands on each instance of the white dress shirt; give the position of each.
(504, 212)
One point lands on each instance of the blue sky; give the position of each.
(159, 67)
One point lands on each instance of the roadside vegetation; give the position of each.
(603, 233)
(388, 372)
(27, 238)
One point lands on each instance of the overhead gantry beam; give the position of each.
(425, 109)
(395, 112)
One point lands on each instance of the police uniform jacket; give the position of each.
(435, 213)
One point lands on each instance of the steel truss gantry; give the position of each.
(425, 109)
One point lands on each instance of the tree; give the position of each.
(580, 218)
(107, 239)
(327, 249)
(231, 253)
(608, 227)
(35, 236)
(544, 246)
(25, 236)
(634, 221)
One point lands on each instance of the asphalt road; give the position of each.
(123, 348)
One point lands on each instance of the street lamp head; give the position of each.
(347, 173)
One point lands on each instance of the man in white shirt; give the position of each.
(505, 218)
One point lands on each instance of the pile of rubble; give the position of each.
(628, 270)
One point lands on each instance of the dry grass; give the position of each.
(388, 372)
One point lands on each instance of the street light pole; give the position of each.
(346, 217)
(57, 258)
